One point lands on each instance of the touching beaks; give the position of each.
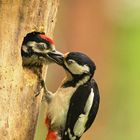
(57, 57)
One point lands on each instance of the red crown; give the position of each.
(46, 38)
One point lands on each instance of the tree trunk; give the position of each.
(19, 107)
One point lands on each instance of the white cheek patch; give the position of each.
(31, 44)
(75, 68)
(79, 127)
(24, 48)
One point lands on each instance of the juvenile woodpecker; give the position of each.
(34, 51)
(73, 108)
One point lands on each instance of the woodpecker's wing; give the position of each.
(82, 111)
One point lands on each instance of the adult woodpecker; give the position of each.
(73, 108)
(34, 51)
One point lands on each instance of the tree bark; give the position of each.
(19, 107)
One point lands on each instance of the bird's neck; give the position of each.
(76, 81)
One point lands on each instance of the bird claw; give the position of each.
(41, 84)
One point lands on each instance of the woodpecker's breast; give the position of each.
(58, 108)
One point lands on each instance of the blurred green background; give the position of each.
(109, 32)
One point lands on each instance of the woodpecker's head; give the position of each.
(35, 49)
(77, 65)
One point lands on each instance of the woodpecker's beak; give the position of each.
(56, 56)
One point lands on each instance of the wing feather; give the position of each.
(82, 111)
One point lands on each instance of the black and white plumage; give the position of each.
(34, 51)
(74, 106)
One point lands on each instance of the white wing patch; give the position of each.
(79, 127)
(70, 135)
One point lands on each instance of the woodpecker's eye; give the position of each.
(70, 61)
(42, 46)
